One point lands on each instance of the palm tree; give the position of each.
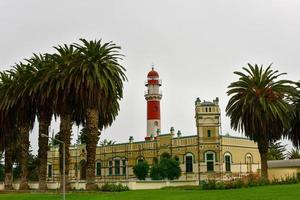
(38, 88)
(97, 85)
(106, 142)
(294, 154)
(293, 133)
(63, 95)
(258, 107)
(7, 129)
(25, 110)
(276, 151)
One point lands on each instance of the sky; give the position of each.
(194, 45)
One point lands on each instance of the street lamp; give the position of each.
(64, 163)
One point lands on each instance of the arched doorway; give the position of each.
(82, 169)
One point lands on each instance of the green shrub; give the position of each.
(220, 185)
(209, 185)
(111, 187)
(298, 176)
(155, 172)
(141, 169)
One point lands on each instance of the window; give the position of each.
(208, 133)
(98, 168)
(210, 158)
(49, 171)
(124, 167)
(209, 109)
(227, 163)
(117, 167)
(141, 159)
(189, 163)
(249, 163)
(110, 167)
(206, 109)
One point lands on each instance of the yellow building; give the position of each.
(206, 153)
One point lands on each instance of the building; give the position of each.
(205, 155)
(283, 169)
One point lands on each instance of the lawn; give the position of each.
(279, 192)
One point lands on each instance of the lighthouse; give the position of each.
(153, 97)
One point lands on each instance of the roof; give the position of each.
(207, 103)
(152, 74)
(284, 163)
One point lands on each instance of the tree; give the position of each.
(63, 95)
(293, 133)
(293, 154)
(141, 169)
(1, 167)
(167, 167)
(106, 142)
(276, 151)
(258, 107)
(19, 97)
(97, 85)
(38, 86)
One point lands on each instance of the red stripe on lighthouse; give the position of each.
(153, 110)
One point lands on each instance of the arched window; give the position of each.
(249, 161)
(228, 161)
(140, 159)
(98, 168)
(50, 170)
(210, 160)
(189, 162)
(82, 165)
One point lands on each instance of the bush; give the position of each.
(141, 169)
(298, 176)
(155, 172)
(168, 167)
(111, 187)
(209, 185)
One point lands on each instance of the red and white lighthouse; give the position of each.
(153, 97)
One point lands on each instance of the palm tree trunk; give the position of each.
(8, 168)
(92, 116)
(263, 150)
(24, 145)
(44, 123)
(65, 136)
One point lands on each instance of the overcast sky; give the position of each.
(194, 45)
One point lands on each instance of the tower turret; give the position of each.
(153, 97)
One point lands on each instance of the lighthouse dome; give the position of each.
(153, 74)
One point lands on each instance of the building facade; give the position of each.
(204, 155)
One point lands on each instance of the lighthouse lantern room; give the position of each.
(153, 97)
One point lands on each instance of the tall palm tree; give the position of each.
(25, 114)
(38, 88)
(65, 58)
(7, 129)
(258, 107)
(293, 133)
(97, 85)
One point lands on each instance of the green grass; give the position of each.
(278, 192)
